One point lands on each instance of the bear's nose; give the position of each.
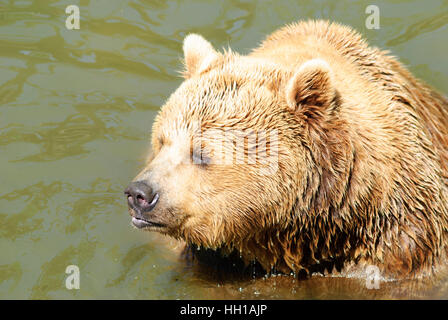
(141, 196)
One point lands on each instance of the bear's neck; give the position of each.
(385, 222)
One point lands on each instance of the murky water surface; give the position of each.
(76, 108)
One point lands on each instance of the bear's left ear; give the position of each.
(311, 89)
(198, 54)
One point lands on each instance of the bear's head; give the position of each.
(240, 150)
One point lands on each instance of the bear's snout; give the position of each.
(141, 199)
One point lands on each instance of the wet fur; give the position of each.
(363, 157)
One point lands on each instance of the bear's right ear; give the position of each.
(310, 90)
(198, 54)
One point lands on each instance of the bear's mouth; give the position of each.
(145, 224)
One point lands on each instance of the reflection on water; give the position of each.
(76, 109)
(423, 26)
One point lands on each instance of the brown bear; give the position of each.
(344, 161)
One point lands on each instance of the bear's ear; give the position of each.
(311, 90)
(198, 54)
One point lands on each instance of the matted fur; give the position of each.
(362, 173)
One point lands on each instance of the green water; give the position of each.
(76, 108)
